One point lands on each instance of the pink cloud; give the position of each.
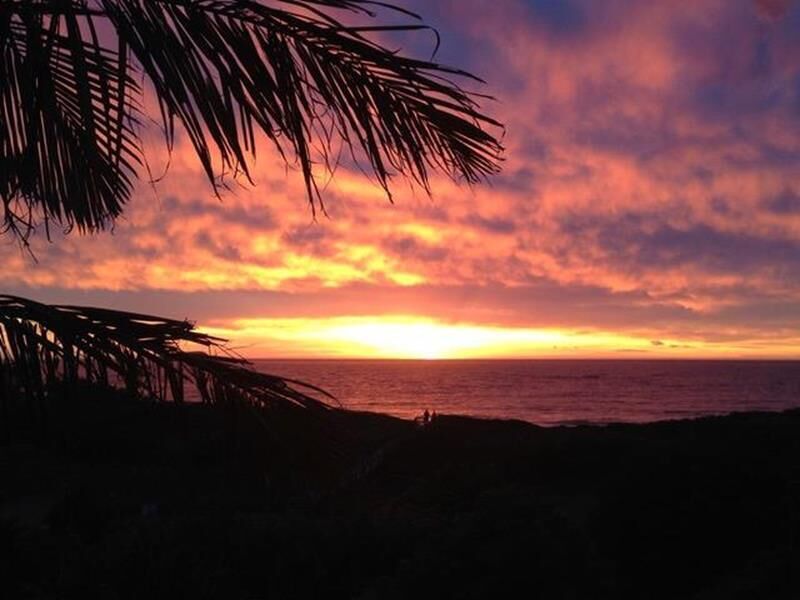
(652, 155)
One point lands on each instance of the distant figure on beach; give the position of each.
(426, 417)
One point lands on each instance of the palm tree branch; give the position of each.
(147, 354)
(69, 144)
(222, 69)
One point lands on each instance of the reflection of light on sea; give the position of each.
(553, 392)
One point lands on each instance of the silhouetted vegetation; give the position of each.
(45, 351)
(701, 509)
(71, 113)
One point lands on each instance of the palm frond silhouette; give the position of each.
(71, 74)
(72, 78)
(41, 345)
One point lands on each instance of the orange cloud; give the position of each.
(652, 159)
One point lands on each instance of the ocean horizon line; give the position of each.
(523, 359)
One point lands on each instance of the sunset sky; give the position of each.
(649, 206)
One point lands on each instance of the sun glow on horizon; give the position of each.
(412, 337)
(430, 340)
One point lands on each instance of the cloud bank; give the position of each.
(650, 190)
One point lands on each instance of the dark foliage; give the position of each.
(72, 74)
(44, 348)
(464, 508)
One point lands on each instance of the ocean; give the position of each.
(552, 392)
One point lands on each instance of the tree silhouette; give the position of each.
(72, 78)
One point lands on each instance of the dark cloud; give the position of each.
(772, 9)
(700, 245)
(314, 239)
(628, 135)
(491, 224)
(431, 212)
(786, 203)
(638, 243)
(222, 250)
(561, 16)
(306, 235)
(410, 248)
(256, 217)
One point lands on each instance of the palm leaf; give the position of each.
(66, 123)
(42, 345)
(222, 70)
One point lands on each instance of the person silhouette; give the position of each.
(426, 417)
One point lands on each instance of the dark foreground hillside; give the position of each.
(118, 499)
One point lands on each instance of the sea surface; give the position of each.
(553, 392)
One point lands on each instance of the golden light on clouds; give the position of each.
(648, 207)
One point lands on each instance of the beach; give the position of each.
(124, 499)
